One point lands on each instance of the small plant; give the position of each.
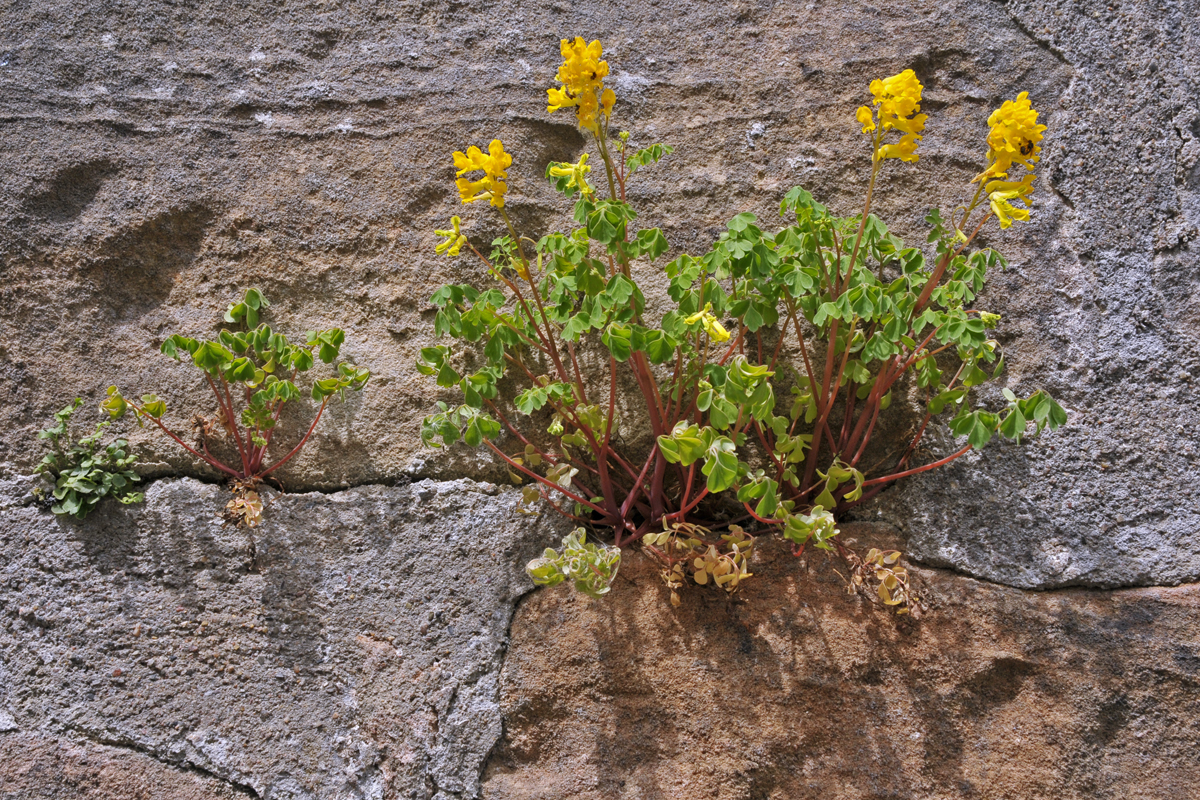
(688, 551)
(741, 431)
(252, 374)
(86, 472)
(591, 567)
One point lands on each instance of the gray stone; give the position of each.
(1102, 311)
(353, 652)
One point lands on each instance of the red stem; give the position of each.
(915, 470)
(544, 481)
(181, 443)
(296, 449)
(757, 517)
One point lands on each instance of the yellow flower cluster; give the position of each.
(1014, 137)
(898, 99)
(582, 77)
(494, 164)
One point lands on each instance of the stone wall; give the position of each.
(350, 648)
(158, 158)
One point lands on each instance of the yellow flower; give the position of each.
(1014, 137)
(578, 173)
(1001, 193)
(454, 239)
(866, 119)
(898, 99)
(905, 149)
(897, 96)
(715, 330)
(1023, 187)
(1005, 211)
(582, 77)
(494, 164)
(608, 99)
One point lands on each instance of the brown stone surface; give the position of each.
(796, 690)
(33, 766)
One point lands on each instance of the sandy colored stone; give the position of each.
(796, 690)
(156, 159)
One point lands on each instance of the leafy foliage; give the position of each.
(253, 374)
(591, 567)
(86, 472)
(740, 432)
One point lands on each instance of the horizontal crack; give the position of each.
(124, 743)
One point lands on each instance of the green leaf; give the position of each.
(617, 338)
(769, 503)
(652, 242)
(657, 345)
(493, 351)
(115, 404)
(447, 376)
(977, 426)
(720, 465)
(683, 446)
(1057, 416)
(619, 290)
(211, 357)
(302, 360)
(1013, 425)
(285, 391)
(647, 156)
(174, 343)
(325, 388)
(153, 407)
(241, 369)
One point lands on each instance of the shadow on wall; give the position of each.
(793, 689)
(70, 191)
(134, 271)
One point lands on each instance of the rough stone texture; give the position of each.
(158, 157)
(360, 660)
(39, 766)
(1104, 310)
(796, 690)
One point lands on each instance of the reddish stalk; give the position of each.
(296, 449)
(917, 470)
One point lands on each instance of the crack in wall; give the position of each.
(1042, 43)
(125, 743)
